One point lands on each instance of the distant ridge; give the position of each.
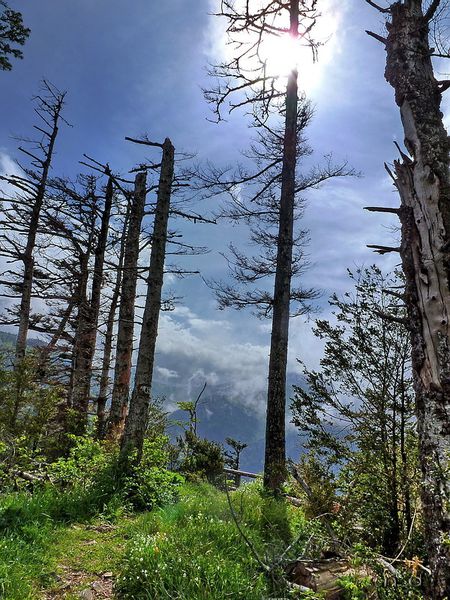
(8, 340)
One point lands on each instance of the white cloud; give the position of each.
(166, 374)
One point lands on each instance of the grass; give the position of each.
(193, 550)
(40, 532)
(53, 543)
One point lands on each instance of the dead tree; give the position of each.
(423, 182)
(233, 457)
(275, 204)
(124, 348)
(136, 422)
(109, 334)
(72, 218)
(22, 214)
(88, 315)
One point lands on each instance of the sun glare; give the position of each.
(281, 54)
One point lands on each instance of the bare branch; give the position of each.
(377, 37)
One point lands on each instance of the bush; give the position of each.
(201, 459)
(150, 483)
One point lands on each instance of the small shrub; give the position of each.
(356, 588)
(150, 483)
(201, 459)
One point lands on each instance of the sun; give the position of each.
(281, 55)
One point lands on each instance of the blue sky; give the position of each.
(133, 67)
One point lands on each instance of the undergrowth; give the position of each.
(193, 549)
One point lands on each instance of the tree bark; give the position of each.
(109, 334)
(424, 188)
(137, 419)
(275, 452)
(76, 422)
(124, 350)
(86, 335)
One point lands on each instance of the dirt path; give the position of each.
(89, 558)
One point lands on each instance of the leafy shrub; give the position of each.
(355, 588)
(150, 483)
(201, 459)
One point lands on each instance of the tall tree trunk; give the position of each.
(275, 452)
(424, 188)
(76, 423)
(124, 351)
(28, 253)
(88, 320)
(109, 335)
(137, 419)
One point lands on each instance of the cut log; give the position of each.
(322, 575)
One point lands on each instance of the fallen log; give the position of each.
(241, 473)
(322, 575)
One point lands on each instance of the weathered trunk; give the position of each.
(76, 424)
(88, 321)
(28, 253)
(424, 189)
(124, 350)
(137, 419)
(109, 335)
(275, 452)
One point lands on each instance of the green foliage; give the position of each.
(200, 459)
(12, 33)
(94, 465)
(84, 485)
(405, 585)
(86, 460)
(194, 550)
(28, 411)
(27, 405)
(150, 483)
(320, 481)
(357, 411)
(355, 588)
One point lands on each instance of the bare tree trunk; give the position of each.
(54, 112)
(137, 419)
(109, 334)
(124, 351)
(275, 453)
(88, 320)
(424, 188)
(77, 421)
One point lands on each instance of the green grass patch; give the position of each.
(188, 550)
(193, 549)
(36, 531)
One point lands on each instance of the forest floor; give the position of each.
(85, 561)
(189, 550)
